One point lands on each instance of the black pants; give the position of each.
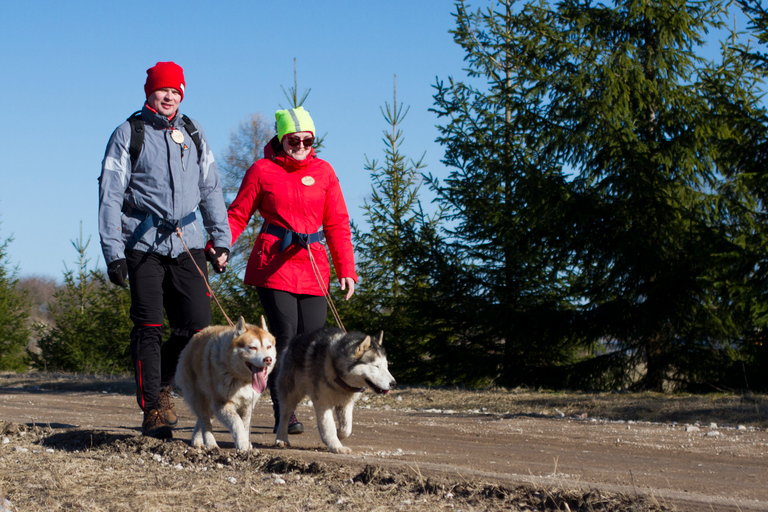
(175, 284)
(289, 314)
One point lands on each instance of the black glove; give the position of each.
(117, 272)
(214, 259)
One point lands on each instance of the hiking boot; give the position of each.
(294, 427)
(154, 425)
(166, 406)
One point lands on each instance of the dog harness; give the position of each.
(289, 237)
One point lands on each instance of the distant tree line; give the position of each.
(602, 224)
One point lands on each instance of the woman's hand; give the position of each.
(347, 283)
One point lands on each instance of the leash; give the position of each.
(326, 293)
(315, 271)
(178, 233)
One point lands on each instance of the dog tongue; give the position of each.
(259, 379)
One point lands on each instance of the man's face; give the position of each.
(165, 101)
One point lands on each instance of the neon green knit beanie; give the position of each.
(293, 120)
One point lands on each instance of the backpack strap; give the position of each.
(195, 134)
(137, 136)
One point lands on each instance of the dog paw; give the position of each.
(282, 444)
(340, 449)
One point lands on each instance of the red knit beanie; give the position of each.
(165, 74)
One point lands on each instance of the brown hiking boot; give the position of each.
(154, 425)
(166, 406)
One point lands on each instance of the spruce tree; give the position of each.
(506, 203)
(91, 323)
(390, 287)
(584, 189)
(745, 198)
(14, 313)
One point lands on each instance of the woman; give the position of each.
(299, 197)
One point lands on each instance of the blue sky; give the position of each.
(73, 71)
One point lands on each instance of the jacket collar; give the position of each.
(150, 116)
(274, 151)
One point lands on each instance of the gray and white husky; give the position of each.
(333, 368)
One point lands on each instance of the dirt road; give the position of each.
(702, 467)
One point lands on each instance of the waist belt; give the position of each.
(150, 220)
(289, 237)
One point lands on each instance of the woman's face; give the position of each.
(298, 145)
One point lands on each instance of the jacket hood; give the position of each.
(274, 151)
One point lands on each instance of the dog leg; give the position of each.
(229, 417)
(246, 418)
(327, 428)
(287, 404)
(203, 434)
(344, 417)
(197, 436)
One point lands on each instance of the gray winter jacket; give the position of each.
(167, 183)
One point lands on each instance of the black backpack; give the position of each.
(137, 135)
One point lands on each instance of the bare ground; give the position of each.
(71, 442)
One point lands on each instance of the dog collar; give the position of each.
(347, 387)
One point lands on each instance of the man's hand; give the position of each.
(219, 257)
(347, 283)
(117, 271)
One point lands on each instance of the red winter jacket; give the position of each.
(274, 186)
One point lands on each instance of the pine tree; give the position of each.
(14, 312)
(91, 323)
(389, 288)
(745, 197)
(584, 194)
(393, 206)
(506, 202)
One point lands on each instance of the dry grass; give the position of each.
(43, 469)
(98, 471)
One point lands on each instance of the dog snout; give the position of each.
(268, 361)
(393, 384)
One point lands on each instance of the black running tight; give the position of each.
(289, 314)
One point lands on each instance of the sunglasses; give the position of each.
(295, 142)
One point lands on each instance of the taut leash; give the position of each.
(326, 293)
(202, 274)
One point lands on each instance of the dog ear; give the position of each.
(240, 327)
(362, 347)
(381, 339)
(264, 323)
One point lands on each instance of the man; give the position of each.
(158, 170)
